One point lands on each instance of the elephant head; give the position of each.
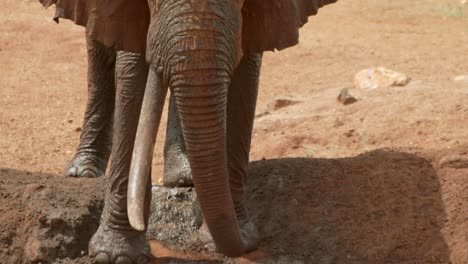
(193, 47)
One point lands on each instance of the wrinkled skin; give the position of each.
(208, 52)
(94, 149)
(116, 241)
(96, 138)
(215, 95)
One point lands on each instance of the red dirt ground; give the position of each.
(383, 180)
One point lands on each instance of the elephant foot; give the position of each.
(85, 166)
(110, 246)
(177, 171)
(248, 230)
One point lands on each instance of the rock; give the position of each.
(461, 79)
(349, 133)
(345, 98)
(45, 218)
(264, 113)
(374, 78)
(60, 233)
(283, 102)
(175, 215)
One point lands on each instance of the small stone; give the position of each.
(284, 102)
(461, 79)
(349, 133)
(345, 98)
(373, 78)
(78, 129)
(262, 114)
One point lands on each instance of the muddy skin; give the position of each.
(242, 99)
(116, 241)
(196, 47)
(95, 144)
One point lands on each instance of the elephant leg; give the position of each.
(116, 241)
(96, 137)
(242, 99)
(176, 165)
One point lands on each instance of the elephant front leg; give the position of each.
(177, 171)
(242, 99)
(96, 137)
(116, 241)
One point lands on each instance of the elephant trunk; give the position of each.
(202, 108)
(198, 44)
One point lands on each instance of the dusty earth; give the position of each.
(382, 180)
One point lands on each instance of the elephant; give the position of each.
(93, 152)
(209, 54)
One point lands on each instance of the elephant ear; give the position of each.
(274, 24)
(120, 24)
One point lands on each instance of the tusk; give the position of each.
(140, 170)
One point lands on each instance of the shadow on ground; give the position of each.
(379, 207)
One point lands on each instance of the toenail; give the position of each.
(88, 173)
(71, 172)
(123, 260)
(101, 258)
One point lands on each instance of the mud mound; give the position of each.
(384, 206)
(44, 218)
